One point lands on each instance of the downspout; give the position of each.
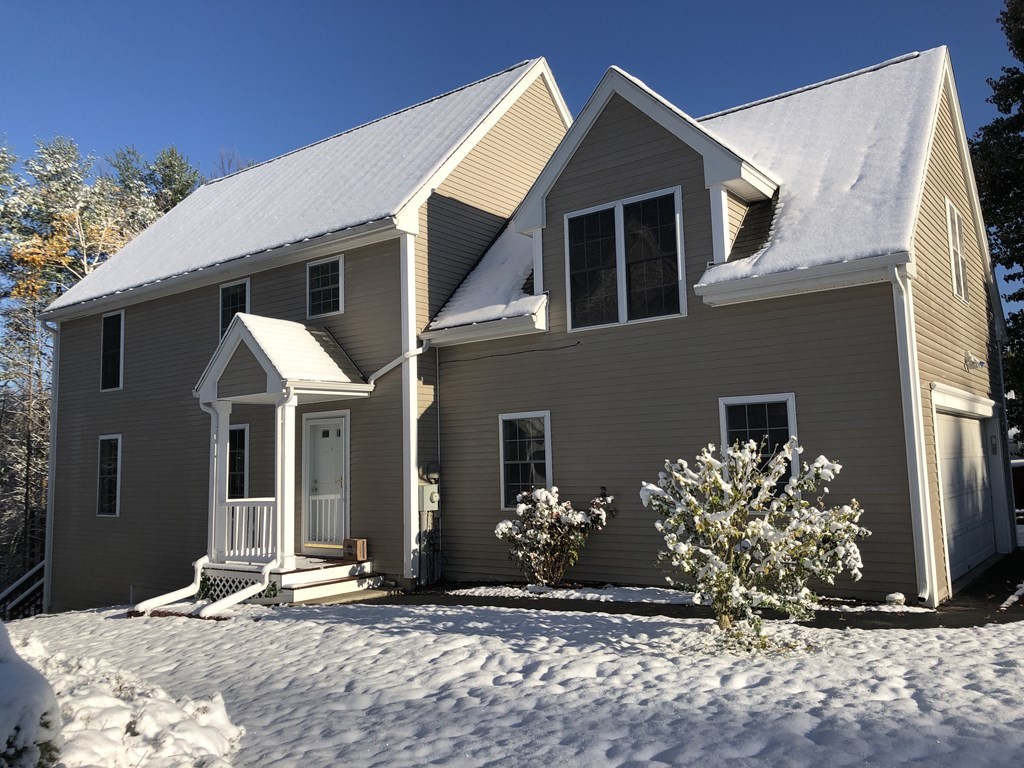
(54, 331)
(913, 425)
(398, 361)
(410, 391)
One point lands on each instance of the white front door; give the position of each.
(325, 485)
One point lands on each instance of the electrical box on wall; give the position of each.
(430, 495)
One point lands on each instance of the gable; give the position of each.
(244, 375)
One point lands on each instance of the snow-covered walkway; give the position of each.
(422, 685)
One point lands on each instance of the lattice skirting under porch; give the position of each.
(215, 587)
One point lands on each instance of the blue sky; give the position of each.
(263, 78)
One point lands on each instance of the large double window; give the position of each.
(624, 261)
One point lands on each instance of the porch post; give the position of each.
(219, 481)
(284, 495)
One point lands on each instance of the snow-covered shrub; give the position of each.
(547, 535)
(746, 542)
(30, 720)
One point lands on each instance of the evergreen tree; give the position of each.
(997, 150)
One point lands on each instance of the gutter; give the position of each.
(913, 426)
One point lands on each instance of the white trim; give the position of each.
(220, 307)
(548, 464)
(244, 428)
(538, 261)
(120, 353)
(620, 257)
(504, 328)
(51, 471)
(407, 218)
(719, 222)
(340, 258)
(955, 243)
(293, 253)
(117, 492)
(722, 164)
(410, 390)
(947, 399)
(789, 398)
(824, 277)
(326, 417)
(284, 473)
(925, 565)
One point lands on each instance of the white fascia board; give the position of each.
(719, 223)
(488, 331)
(334, 388)
(825, 277)
(407, 218)
(947, 399)
(236, 268)
(721, 163)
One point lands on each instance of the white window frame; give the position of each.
(957, 260)
(788, 397)
(502, 418)
(620, 258)
(340, 258)
(245, 477)
(120, 353)
(220, 303)
(117, 491)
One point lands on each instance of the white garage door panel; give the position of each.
(966, 494)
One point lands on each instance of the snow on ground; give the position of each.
(113, 718)
(430, 685)
(29, 712)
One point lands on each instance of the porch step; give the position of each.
(311, 572)
(333, 588)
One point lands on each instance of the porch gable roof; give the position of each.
(292, 355)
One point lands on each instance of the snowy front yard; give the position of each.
(366, 685)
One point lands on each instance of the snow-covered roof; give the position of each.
(494, 289)
(850, 154)
(297, 354)
(363, 175)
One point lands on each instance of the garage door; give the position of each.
(966, 496)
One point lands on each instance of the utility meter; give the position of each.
(430, 495)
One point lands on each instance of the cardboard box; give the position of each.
(355, 549)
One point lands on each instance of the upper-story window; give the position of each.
(624, 261)
(108, 477)
(325, 286)
(957, 262)
(112, 351)
(234, 298)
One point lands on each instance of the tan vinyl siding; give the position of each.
(243, 375)
(946, 326)
(467, 211)
(625, 398)
(165, 445)
(737, 210)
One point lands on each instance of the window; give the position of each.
(957, 263)
(234, 298)
(767, 418)
(238, 462)
(325, 286)
(112, 351)
(108, 493)
(525, 453)
(624, 262)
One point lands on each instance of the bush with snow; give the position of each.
(547, 535)
(747, 543)
(30, 721)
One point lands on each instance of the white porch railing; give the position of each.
(249, 529)
(324, 524)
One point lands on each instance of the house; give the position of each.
(481, 293)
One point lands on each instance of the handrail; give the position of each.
(178, 594)
(28, 575)
(25, 595)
